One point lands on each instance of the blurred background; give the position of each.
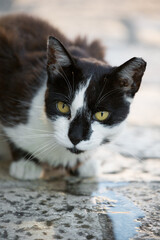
(127, 29)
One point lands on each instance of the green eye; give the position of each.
(101, 116)
(63, 107)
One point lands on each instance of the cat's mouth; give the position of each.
(75, 150)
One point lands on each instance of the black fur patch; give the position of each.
(79, 128)
(18, 153)
(103, 94)
(107, 91)
(25, 63)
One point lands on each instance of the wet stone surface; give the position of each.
(71, 208)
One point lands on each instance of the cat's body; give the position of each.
(58, 105)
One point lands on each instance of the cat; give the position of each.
(59, 99)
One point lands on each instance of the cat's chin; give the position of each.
(75, 150)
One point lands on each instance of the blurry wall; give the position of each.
(128, 28)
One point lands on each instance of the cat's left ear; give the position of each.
(57, 55)
(129, 75)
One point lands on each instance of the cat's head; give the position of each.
(87, 100)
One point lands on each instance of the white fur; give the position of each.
(27, 170)
(90, 168)
(38, 136)
(98, 135)
(78, 101)
(47, 140)
(128, 99)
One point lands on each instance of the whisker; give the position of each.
(30, 137)
(34, 154)
(108, 94)
(102, 90)
(70, 91)
(73, 80)
(66, 79)
(60, 94)
(48, 150)
(25, 103)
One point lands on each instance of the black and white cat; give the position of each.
(59, 103)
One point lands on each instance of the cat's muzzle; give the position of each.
(75, 150)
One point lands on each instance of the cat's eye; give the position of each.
(101, 116)
(63, 107)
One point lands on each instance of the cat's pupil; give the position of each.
(63, 105)
(101, 114)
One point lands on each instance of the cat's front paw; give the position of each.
(26, 170)
(90, 168)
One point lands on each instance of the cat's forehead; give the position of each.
(92, 67)
(90, 79)
(86, 92)
(89, 75)
(79, 100)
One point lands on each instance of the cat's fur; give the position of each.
(34, 76)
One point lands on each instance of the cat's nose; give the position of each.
(75, 136)
(79, 129)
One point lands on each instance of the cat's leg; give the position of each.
(27, 170)
(23, 166)
(91, 167)
(91, 164)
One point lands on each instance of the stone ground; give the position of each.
(128, 189)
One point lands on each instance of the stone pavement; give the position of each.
(126, 196)
(71, 208)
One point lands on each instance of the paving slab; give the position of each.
(73, 208)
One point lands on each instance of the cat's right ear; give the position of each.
(58, 57)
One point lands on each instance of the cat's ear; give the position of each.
(57, 55)
(129, 75)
